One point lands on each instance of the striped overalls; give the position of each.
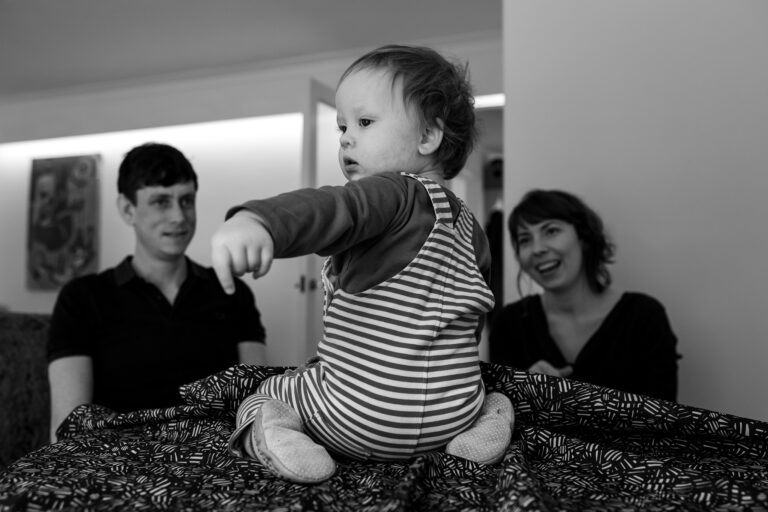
(397, 371)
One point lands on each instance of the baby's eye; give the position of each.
(365, 122)
(342, 128)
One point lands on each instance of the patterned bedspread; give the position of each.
(575, 447)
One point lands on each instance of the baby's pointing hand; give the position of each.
(241, 245)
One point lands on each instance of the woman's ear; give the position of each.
(431, 137)
(125, 208)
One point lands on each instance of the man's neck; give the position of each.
(167, 275)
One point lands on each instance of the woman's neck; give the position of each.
(574, 300)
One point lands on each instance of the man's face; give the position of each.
(164, 219)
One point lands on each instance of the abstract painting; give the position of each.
(62, 233)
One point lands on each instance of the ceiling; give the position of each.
(50, 46)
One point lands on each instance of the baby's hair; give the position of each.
(539, 205)
(153, 164)
(438, 89)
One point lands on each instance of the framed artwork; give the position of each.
(62, 227)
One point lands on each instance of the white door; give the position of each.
(320, 167)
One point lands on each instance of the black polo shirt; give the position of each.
(143, 348)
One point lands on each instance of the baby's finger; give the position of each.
(266, 256)
(253, 260)
(222, 266)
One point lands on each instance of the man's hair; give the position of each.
(437, 89)
(150, 165)
(597, 249)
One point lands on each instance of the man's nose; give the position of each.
(176, 212)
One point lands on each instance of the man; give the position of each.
(127, 338)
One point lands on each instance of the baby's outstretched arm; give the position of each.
(242, 244)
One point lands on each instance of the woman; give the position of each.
(579, 326)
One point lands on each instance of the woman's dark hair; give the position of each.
(537, 206)
(153, 164)
(438, 89)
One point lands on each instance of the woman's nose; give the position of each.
(537, 246)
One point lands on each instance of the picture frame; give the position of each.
(62, 223)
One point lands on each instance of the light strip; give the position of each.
(489, 101)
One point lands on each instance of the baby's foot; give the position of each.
(277, 439)
(487, 439)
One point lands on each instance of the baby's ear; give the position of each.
(431, 137)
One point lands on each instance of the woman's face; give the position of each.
(550, 252)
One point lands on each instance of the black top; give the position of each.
(633, 349)
(143, 348)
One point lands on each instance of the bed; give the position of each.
(575, 447)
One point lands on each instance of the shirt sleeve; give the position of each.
(661, 355)
(249, 326)
(331, 219)
(71, 328)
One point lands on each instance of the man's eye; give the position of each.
(187, 202)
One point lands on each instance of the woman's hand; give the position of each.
(542, 366)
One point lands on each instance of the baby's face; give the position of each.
(379, 133)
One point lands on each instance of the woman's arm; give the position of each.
(71, 384)
(661, 374)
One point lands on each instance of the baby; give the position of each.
(397, 370)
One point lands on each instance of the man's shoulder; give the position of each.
(92, 280)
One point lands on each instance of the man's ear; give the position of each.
(431, 137)
(126, 209)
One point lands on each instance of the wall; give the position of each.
(655, 112)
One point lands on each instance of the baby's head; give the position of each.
(436, 91)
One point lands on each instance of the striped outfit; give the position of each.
(397, 371)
